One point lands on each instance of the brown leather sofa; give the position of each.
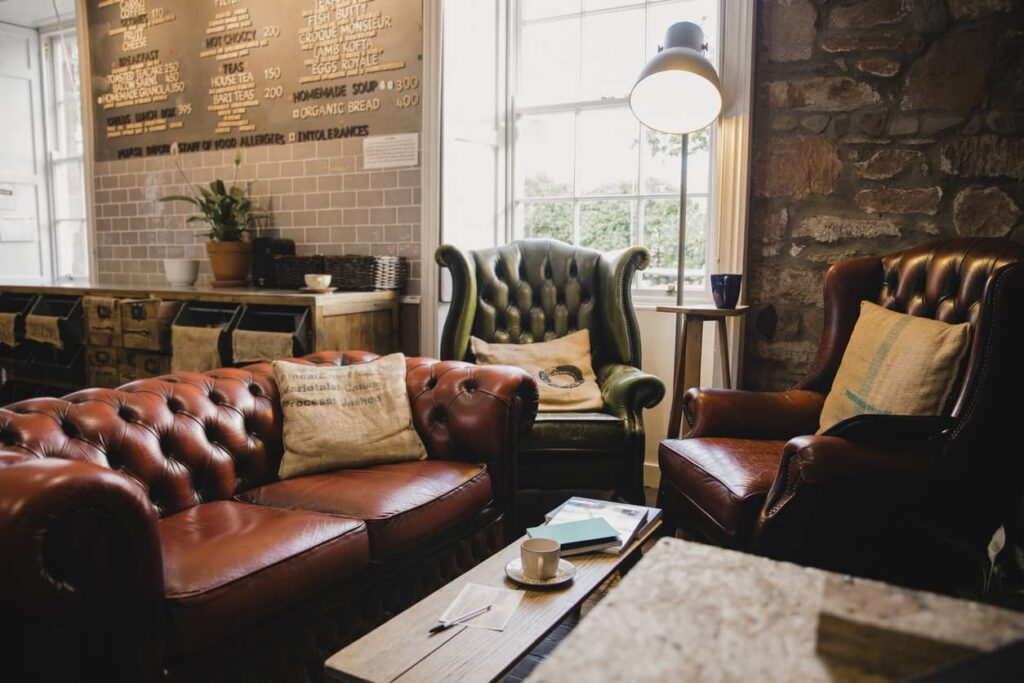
(144, 534)
(912, 500)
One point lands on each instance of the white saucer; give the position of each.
(566, 570)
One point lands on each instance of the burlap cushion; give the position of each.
(350, 416)
(562, 368)
(895, 364)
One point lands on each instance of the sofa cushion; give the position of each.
(403, 504)
(725, 480)
(228, 563)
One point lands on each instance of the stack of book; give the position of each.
(584, 525)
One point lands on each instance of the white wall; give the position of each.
(657, 335)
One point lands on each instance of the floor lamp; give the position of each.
(678, 92)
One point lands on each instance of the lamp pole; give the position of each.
(678, 91)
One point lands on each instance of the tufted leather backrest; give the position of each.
(186, 438)
(944, 280)
(540, 289)
(535, 290)
(952, 281)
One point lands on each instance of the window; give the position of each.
(65, 167)
(583, 169)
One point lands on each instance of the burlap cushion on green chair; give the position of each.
(895, 364)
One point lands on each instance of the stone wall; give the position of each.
(878, 124)
(317, 192)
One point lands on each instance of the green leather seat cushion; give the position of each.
(572, 450)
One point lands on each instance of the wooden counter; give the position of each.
(366, 321)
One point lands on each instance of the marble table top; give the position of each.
(691, 612)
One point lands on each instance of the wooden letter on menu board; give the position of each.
(204, 75)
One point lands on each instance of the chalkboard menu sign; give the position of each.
(205, 75)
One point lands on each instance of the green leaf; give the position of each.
(180, 198)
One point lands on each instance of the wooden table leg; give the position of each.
(687, 371)
(723, 351)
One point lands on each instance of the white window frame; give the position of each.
(49, 39)
(728, 208)
(649, 296)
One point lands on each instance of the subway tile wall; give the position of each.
(317, 193)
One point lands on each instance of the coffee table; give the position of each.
(403, 650)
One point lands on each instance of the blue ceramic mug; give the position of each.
(725, 289)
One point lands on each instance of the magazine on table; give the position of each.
(629, 521)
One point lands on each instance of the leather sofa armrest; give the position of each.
(752, 414)
(474, 413)
(817, 469)
(627, 391)
(80, 550)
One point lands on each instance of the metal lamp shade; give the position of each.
(678, 90)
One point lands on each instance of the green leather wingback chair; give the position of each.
(542, 289)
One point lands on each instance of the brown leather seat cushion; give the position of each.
(227, 563)
(727, 480)
(404, 504)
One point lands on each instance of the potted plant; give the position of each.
(229, 213)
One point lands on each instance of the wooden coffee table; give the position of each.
(403, 650)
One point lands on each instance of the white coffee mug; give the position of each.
(314, 281)
(540, 558)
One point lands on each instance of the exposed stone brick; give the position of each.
(936, 123)
(827, 93)
(928, 16)
(867, 13)
(853, 41)
(789, 29)
(789, 286)
(887, 163)
(951, 75)
(984, 212)
(796, 167)
(985, 156)
(884, 67)
(1006, 122)
(903, 125)
(814, 122)
(972, 9)
(892, 200)
(830, 229)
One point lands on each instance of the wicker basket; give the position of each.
(367, 273)
(290, 271)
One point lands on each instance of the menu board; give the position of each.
(204, 75)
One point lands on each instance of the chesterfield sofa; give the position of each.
(540, 289)
(145, 536)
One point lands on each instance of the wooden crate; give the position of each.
(101, 367)
(102, 320)
(146, 324)
(103, 377)
(136, 364)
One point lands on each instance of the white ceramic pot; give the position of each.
(181, 272)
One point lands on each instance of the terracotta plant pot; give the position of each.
(230, 263)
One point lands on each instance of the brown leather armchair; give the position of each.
(908, 499)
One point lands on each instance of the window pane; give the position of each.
(544, 145)
(606, 225)
(613, 53)
(68, 190)
(704, 13)
(607, 152)
(538, 9)
(661, 237)
(696, 239)
(547, 219)
(661, 162)
(589, 5)
(72, 250)
(549, 57)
